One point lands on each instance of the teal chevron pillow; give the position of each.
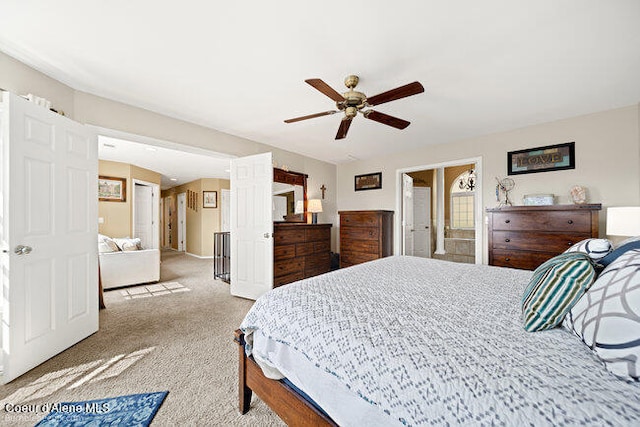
(554, 288)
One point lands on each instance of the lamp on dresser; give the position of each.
(315, 206)
(623, 221)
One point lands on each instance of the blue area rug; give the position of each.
(132, 410)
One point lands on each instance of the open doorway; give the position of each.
(441, 211)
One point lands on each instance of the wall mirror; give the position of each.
(289, 196)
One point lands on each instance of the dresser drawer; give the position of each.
(571, 221)
(283, 280)
(359, 233)
(348, 257)
(324, 246)
(520, 259)
(303, 249)
(359, 219)
(536, 241)
(282, 268)
(317, 264)
(362, 246)
(284, 252)
(316, 234)
(288, 236)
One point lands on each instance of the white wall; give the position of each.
(607, 163)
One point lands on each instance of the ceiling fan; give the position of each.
(352, 102)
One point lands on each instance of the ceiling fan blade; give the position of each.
(386, 119)
(326, 89)
(311, 116)
(344, 128)
(397, 93)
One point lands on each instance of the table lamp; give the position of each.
(314, 206)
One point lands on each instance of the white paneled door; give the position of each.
(407, 214)
(49, 209)
(143, 214)
(251, 226)
(422, 222)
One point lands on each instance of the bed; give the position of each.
(414, 341)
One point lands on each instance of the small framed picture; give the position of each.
(111, 189)
(209, 199)
(369, 181)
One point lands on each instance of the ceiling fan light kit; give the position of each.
(351, 102)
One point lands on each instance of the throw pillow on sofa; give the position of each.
(106, 244)
(127, 244)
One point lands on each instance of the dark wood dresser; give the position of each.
(526, 236)
(300, 251)
(365, 236)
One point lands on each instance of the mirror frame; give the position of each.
(293, 178)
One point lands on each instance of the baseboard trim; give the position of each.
(199, 256)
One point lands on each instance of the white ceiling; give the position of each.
(240, 67)
(177, 166)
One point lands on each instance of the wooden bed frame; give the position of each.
(294, 409)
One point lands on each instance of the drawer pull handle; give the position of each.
(570, 221)
(507, 240)
(507, 259)
(507, 221)
(569, 243)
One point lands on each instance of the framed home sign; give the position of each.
(369, 181)
(111, 189)
(542, 159)
(209, 199)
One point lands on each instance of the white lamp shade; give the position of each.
(314, 206)
(299, 207)
(623, 221)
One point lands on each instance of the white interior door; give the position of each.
(251, 226)
(49, 232)
(143, 215)
(182, 222)
(407, 214)
(167, 214)
(225, 206)
(422, 222)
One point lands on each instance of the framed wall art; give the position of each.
(369, 181)
(542, 159)
(112, 189)
(209, 199)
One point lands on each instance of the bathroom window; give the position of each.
(463, 200)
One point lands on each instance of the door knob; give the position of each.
(22, 250)
(266, 235)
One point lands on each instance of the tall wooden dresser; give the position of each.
(300, 251)
(526, 236)
(365, 236)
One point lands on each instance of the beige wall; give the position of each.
(117, 216)
(94, 110)
(201, 222)
(607, 163)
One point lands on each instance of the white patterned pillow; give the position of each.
(607, 317)
(106, 244)
(126, 244)
(595, 248)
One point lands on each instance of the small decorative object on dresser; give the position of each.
(365, 236)
(537, 199)
(578, 194)
(526, 236)
(300, 251)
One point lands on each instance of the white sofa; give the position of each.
(123, 263)
(129, 267)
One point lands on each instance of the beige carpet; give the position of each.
(178, 341)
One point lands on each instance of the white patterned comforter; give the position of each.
(416, 341)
